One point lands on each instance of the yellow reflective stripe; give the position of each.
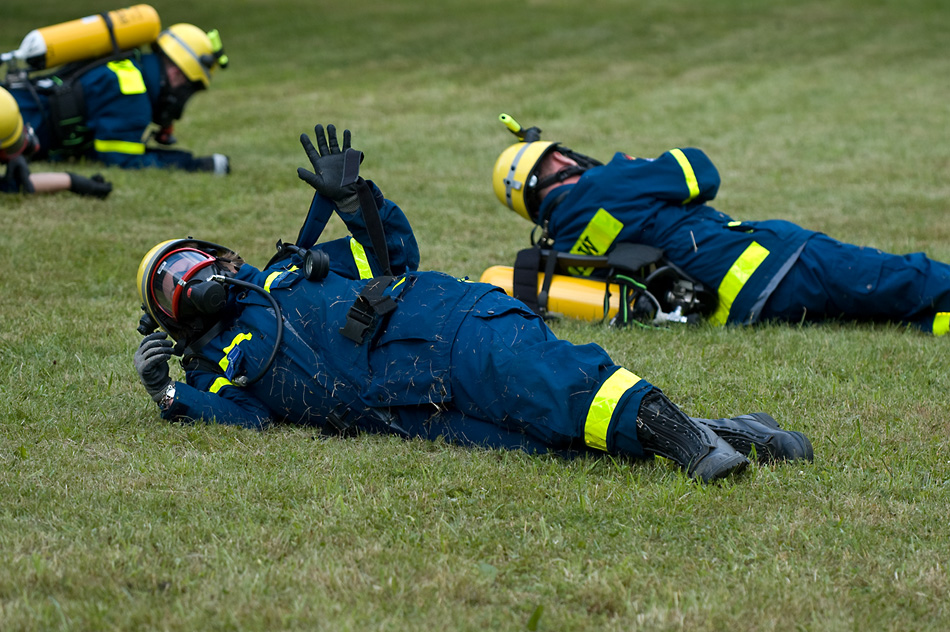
(130, 77)
(273, 276)
(359, 257)
(597, 238)
(743, 268)
(691, 182)
(941, 323)
(270, 279)
(238, 339)
(120, 147)
(603, 406)
(220, 383)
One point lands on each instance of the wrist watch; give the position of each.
(168, 397)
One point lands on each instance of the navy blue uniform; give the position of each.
(762, 270)
(120, 99)
(455, 359)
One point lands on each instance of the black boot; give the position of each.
(762, 431)
(664, 429)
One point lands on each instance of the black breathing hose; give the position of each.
(243, 380)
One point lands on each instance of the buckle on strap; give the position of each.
(366, 310)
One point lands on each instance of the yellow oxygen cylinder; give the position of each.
(89, 37)
(570, 296)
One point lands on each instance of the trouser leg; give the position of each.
(832, 279)
(510, 370)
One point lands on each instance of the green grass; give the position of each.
(831, 114)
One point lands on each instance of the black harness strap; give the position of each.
(525, 277)
(367, 309)
(67, 105)
(633, 258)
(374, 225)
(111, 28)
(550, 267)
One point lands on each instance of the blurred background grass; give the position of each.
(830, 114)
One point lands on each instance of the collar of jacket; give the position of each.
(551, 202)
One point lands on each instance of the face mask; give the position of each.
(171, 103)
(182, 287)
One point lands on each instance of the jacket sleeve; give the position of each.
(400, 240)
(212, 398)
(683, 176)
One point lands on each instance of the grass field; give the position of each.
(831, 113)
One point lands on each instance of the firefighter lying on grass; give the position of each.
(754, 271)
(348, 335)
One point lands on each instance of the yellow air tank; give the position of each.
(570, 296)
(89, 37)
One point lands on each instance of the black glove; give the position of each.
(95, 186)
(219, 164)
(151, 362)
(335, 171)
(18, 172)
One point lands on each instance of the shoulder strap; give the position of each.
(374, 224)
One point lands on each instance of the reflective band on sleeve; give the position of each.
(220, 383)
(238, 339)
(691, 183)
(120, 147)
(273, 276)
(130, 77)
(736, 278)
(598, 236)
(602, 408)
(270, 279)
(359, 258)
(941, 323)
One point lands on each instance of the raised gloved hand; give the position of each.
(151, 362)
(336, 170)
(18, 172)
(218, 164)
(96, 186)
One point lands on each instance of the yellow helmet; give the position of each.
(163, 281)
(515, 176)
(11, 127)
(196, 53)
